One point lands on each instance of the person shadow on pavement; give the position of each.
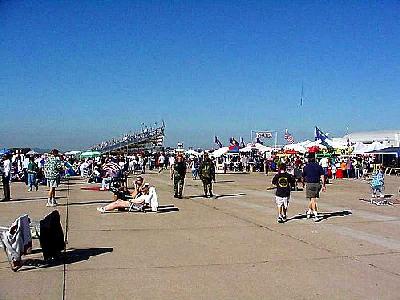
(323, 215)
(71, 256)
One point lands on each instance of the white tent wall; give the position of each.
(391, 137)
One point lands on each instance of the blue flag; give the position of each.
(319, 135)
(242, 144)
(217, 141)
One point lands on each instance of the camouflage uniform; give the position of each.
(207, 175)
(179, 170)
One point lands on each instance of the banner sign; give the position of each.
(263, 134)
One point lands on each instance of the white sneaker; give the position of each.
(101, 209)
(317, 218)
(54, 202)
(308, 214)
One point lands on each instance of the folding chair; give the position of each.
(138, 207)
(35, 234)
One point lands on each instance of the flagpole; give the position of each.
(301, 103)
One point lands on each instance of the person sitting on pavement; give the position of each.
(95, 177)
(123, 193)
(112, 172)
(142, 195)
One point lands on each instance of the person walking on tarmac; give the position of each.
(6, 176)
(313, 175)
(52, 168)
(207, 175)
(178, 174)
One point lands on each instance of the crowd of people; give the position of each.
(46, 170)
(356, 167)
(112, 173)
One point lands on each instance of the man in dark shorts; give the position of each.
(313, 175)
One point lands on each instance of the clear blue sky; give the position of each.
(76, 72)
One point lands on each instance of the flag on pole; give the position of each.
(233, 141)
(242, 142)
(288, 137)
(217, 141)
(258, 141)
(319, 135)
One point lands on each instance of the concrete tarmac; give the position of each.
(226, 247)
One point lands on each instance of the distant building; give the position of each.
(391, 138)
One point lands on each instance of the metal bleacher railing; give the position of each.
(152, 136)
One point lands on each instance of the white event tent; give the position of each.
(361, 148)
(192, 153)
(257, 146)
(219, 152)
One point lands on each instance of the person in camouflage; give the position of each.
(52, 169)
(207, 174)
(179, 173)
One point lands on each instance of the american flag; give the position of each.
(288, 137)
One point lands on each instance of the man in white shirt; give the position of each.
(6, 175)
(161, 161)
(324, 163)
(25, 164)
(171, 162)
(83, 169)
(141, 163)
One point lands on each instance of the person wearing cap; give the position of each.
(207, 175)
(313, 175)
(52, 169)
(178, 174)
